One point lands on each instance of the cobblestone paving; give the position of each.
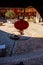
(32, 61)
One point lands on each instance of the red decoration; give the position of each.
(21, 24)
(14, 9)
(6, 10)
(18, 10)
(29, 14)
(34, 10)
(29, 10)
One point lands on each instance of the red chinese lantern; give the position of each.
(34, 12)
(29, 10)
(6, 10)
(29, 14)
(21, 25)
(14, 10)
(18, 10)
(22, 11)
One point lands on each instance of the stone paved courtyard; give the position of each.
(31, 46)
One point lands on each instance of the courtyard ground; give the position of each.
(30, 45)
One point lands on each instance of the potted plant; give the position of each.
(10, 15)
